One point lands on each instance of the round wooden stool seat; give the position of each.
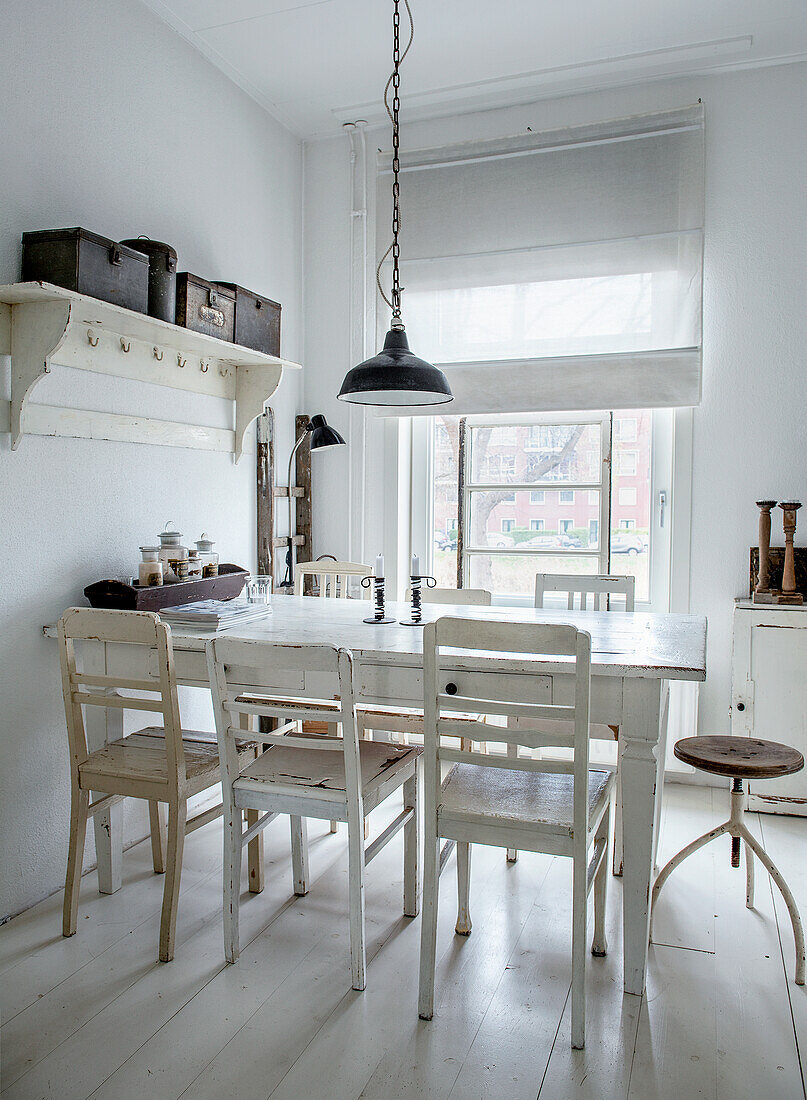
(739, 757)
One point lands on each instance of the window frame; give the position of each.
(467, 487)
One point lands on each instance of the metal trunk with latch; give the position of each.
(89, 264)
(205, 307)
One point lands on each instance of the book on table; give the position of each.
(213, 614)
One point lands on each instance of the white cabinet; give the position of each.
(769, 694)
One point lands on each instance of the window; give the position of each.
(626, 429)
(558, 528)
(627, 463)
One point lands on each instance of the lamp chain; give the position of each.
(393, 109)
(396, 161)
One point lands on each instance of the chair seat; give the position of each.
(141, 756)
(739, 757)
(325, 768)
(504, 796)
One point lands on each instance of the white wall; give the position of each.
(110, 121)
(750, 432)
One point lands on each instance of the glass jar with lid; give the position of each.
(150, 570)
(194, 565)
(173, 554)
(209, 557)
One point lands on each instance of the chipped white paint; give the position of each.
(305, 776)
(49, 325)
(632, 654)
(542, 806)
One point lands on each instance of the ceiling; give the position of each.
(315, 64)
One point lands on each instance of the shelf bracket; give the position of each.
(38, 330)
(253, 388)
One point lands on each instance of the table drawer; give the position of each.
(403, 684)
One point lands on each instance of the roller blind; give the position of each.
(560, 270)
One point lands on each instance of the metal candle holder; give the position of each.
(378, 592)
(417, 611)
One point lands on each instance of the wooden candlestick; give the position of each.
(763, 578)
(789, 592)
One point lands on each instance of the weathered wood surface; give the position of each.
(630, 644)
(266, 492)
(776, 564)
(632, 654)
(740, 757)
(302, 504)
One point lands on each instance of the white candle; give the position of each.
(415, 565)
(379, 565)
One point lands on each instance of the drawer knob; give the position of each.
(741, 706)
(451, 689)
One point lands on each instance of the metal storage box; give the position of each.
(87, 264)
(257, 320)
(162, 276)
(205, 307)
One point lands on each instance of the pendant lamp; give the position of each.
(395, 376)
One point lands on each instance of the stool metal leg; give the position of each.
(749, 877)
(668, 868)
(790, 902)
(736, 828)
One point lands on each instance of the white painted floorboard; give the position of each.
(97, 1016)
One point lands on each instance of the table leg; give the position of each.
(641, 713)
(102, 727)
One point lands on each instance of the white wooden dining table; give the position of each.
(634, 657)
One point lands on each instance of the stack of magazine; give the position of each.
(215, 614)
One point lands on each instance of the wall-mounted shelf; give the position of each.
(42, 325)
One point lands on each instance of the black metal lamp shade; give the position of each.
(323, 435)
(396, 377)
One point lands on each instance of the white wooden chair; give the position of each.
(404, 722)
(603, 592)
(333, 581)
(557, 807)
(332, 577)
(157, 764)
(306, 775)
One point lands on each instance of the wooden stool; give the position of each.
(741, 758)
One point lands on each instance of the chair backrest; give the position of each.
(497, 645)
(333, 577)
(87, 689)
(601, 589)
(476, 597)
(249, 678)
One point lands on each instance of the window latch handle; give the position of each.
(662, 506)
